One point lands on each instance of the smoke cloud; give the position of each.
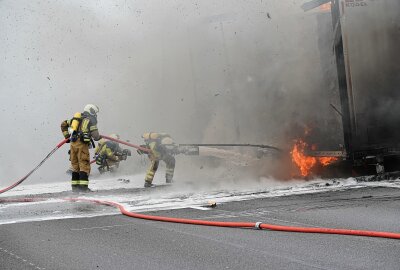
(203, 71)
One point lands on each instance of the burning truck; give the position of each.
(366, 42)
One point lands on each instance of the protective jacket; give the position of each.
(160, 144)
(87, 127)
(108, 151)
(98, 147)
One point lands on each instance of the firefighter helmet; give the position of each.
(167, 140)
(146, 135)
(91, 109)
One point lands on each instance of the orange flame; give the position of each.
(325, 161)
(306, 163)
(302, 161)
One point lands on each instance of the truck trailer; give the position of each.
(366, 44)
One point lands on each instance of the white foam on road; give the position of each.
(135, 181)
(177, 196)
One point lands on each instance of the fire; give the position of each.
(325, 161)
(306, 163)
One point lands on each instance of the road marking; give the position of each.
(11, 253)
(100, 228)
(200, 208)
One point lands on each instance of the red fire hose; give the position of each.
(258, 225)
(37, 167)
(56, 148)
(144, 149)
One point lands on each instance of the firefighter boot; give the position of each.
(148, 184)
(150, 174)
(102, 169)
(75, 181)
(84, 182)
(168, 179)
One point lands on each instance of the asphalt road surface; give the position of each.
(120, 242)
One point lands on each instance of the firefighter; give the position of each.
(108, 154)
(81, 130)
(162, 147)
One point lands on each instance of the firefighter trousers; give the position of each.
(170, 167)
(80, 163)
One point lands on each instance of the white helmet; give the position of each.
(91, 109)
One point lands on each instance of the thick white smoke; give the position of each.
(203, 71)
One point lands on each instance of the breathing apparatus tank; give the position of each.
(75, 126)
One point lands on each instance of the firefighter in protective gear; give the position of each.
(108, 154)
(162, 148)
(81, 130)
(98, 147)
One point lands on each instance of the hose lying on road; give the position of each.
(257, 225)
(37, 167)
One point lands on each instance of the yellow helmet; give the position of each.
(154, 135)
(151, 135)
(146, 135)
(167, 140)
